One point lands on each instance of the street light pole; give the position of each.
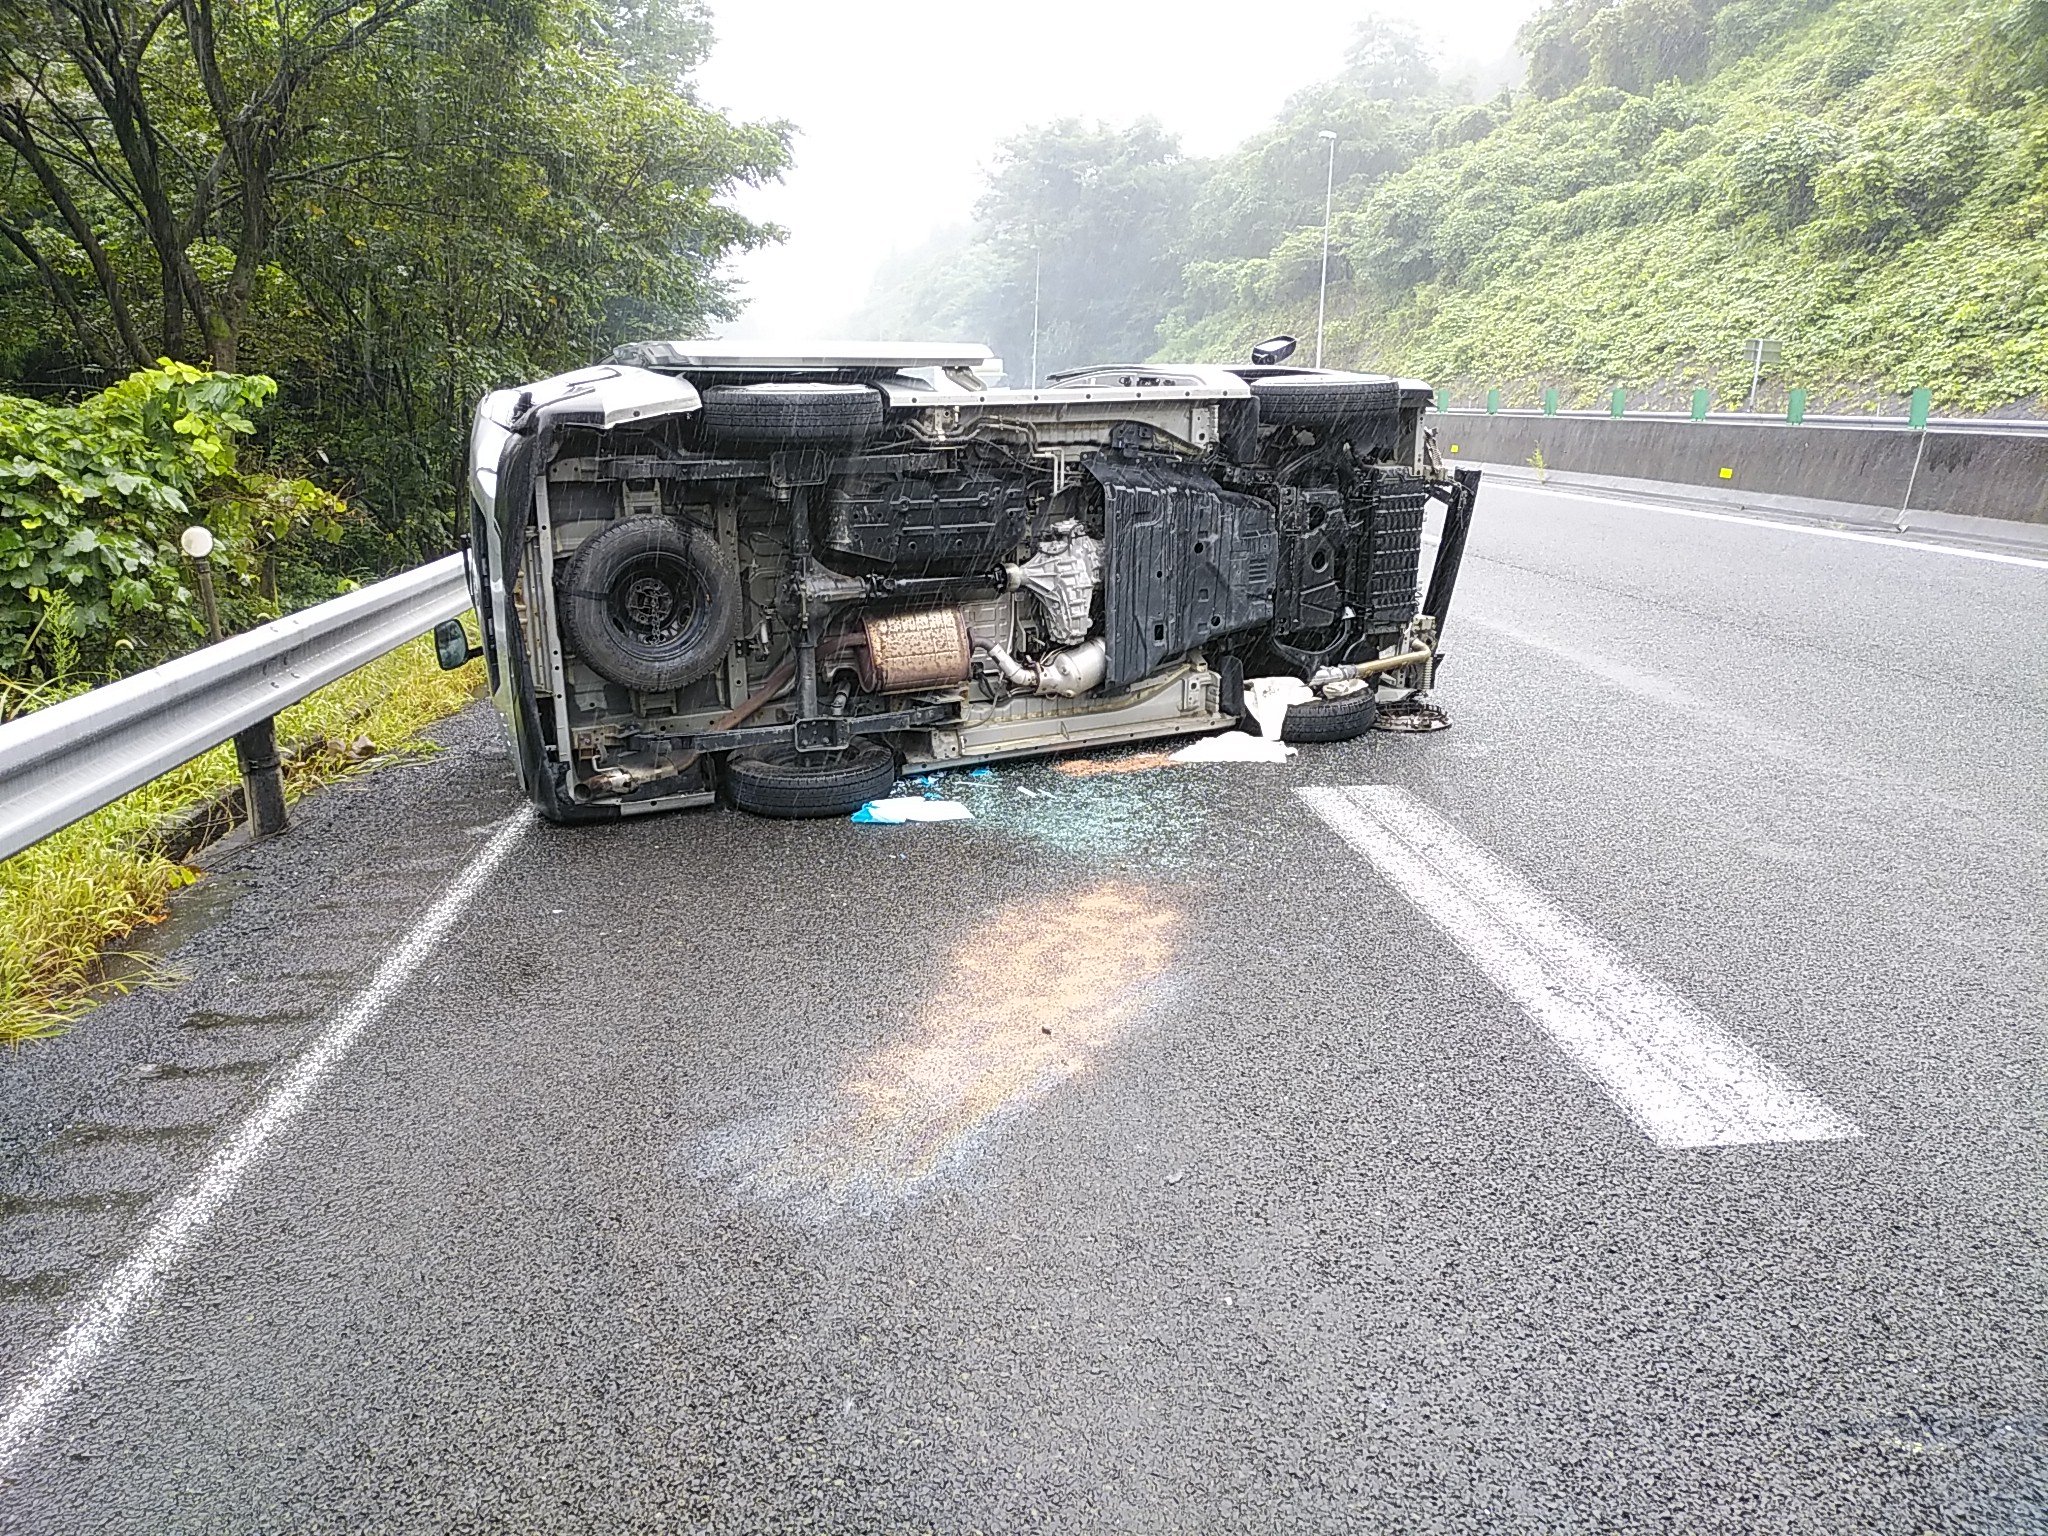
(1323, 288)
(1037, 270)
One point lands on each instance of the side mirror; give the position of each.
(1277, 350)
(451, 645)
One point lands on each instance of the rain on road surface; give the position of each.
(1621, 1111)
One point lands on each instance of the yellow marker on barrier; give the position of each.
(1727, 474)
(1454, 447)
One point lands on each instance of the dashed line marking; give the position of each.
(100, 1323)
(1682, 1078)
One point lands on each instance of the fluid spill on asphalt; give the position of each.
(1098, 767)
(1031, 998)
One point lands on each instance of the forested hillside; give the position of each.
(387, 207)
(1866, 180)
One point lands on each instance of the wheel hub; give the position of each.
(652, 605)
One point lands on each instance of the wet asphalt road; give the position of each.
(1136, 1157)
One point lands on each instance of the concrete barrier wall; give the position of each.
(1964, 472)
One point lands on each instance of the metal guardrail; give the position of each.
(1987, 425)
(69, 759)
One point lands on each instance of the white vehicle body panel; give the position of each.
(803, 354)
(619, 392)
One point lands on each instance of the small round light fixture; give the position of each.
(196, 542)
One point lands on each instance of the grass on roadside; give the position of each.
(65, 900)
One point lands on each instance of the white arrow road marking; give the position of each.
(1675, 1072)
(111, 1306)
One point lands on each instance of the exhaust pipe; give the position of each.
(1063, 674)
(1371, 668)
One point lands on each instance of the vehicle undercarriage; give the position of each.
(792, 582)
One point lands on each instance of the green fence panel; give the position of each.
(1617, 403)
(1700, 400)
(1493, 402)
(1916, 413)
(1795, 407)
(1550, 402)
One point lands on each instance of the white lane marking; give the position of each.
(107, 1313)
(1625, 677)
(1684, 1080)
(1888, 540)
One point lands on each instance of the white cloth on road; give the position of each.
(1234, 747)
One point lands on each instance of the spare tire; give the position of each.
(779, 781)
(791, 413)
(651, 603)
(1338, 719)
(1307, 400)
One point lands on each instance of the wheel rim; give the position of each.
(655, 603)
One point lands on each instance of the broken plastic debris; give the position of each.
(895, 811)
(928, 779)
(1234, 747)
(1412, 714)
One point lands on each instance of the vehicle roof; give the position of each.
(752, 356)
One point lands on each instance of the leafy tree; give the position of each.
(1094, 219)
(1385, 61)
(387, 205)
(1638, 43)
(1558, 45)
(1381, 107)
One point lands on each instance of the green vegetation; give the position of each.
(65, 899)
(387, 206)
(93, 497)
(1864, 179)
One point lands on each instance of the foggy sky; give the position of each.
(900, 107)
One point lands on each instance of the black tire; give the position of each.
(1338, 719)
(791, 413)
(776, 781)
(651, 603)
(1307, 401)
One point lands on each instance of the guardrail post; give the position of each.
(1617, 403)
(1795, 407)
(256, 747)
(1493, 402)
(1550, 402)
(1701, 398)
(262, 777)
